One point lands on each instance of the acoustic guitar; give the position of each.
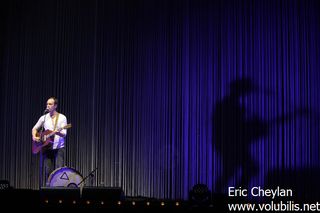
(46, 139)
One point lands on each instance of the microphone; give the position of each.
(45, 111)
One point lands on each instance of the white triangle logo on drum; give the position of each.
(64, 176)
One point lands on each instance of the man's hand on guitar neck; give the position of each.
(59, 133)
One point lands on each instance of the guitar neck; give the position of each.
(54, 132)
(58, 130)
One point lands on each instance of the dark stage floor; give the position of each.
(94, 200)
(91, 199)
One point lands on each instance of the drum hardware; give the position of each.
(91, 175)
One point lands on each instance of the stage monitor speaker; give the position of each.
(19, 198)
(4, 185)
(59, 194)
(102, 193)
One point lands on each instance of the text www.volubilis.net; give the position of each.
(275, 206)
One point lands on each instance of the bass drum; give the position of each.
(65, 177)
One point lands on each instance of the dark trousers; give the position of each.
(51, 160)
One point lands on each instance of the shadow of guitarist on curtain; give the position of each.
(235, 129)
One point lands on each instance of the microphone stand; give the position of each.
(89, 175)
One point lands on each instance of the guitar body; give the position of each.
(46, 140)
(44, 143)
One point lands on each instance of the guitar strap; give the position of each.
(55, 125)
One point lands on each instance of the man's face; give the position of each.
(50, 105)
